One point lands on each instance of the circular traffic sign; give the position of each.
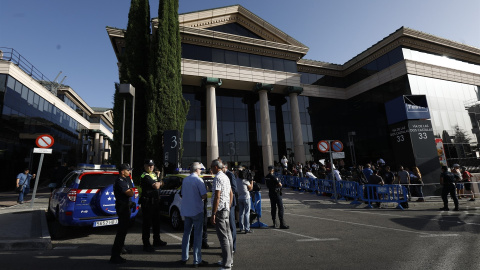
(323, 146)
(337, 146)
(44, 141)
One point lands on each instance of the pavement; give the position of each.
(25, 227)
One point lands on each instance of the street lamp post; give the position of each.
(127, 89)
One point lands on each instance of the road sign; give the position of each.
(42, 150)
(338, 155)
(44, 141)
(323, 146)
(337, 146)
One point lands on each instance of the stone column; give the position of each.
(212, 134)
(267, 149)
(96, 148)
(299, 148)
(106, 147)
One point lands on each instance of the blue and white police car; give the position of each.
(86, 198)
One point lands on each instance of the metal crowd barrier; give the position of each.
(384, 194)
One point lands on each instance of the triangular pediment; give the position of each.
(217, 18)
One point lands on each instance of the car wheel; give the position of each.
(176, 219)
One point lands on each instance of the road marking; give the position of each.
(309, 238)
(174, 236)
(439, 235)
(66, 248)
(361, 224)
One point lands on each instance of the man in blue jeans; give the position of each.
(193, 193)
(23, 179)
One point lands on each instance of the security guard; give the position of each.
(150, 202)
(123, 192)
(275, 193)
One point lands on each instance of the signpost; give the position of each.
(44, 141)
(335, 148)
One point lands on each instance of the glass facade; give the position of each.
(208, 54)
(239, 128)
(25, 115)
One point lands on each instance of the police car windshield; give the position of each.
(92, 181)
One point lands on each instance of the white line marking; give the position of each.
(309, 238)
(439, 235)
(174, 236)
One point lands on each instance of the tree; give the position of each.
(169, 107)
(135, 71)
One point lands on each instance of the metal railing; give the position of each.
(10, 54)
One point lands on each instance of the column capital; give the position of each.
(294, 89)
(263, 86)
(216, 82)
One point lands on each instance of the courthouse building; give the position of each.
(33, 105)
(254, 98)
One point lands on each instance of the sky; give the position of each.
(70, 36)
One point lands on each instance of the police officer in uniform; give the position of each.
(447, 180)
(275, 193)
(123, 190)
(150, 202)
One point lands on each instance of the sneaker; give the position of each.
(221, 263)
(159, 243)
(126, 251)
(20, 202)
(444, 209)
(201, 264)
(249, 231)
(148, 248)
(117, 260)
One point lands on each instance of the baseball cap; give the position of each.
(125, 166)
(270, 167)
(149, 162)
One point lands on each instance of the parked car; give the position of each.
(171, 202)
(86, 198)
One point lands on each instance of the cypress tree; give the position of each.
(170, 108)
(135, 71)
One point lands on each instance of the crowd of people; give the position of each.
(230, 190)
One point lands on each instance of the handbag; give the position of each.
(19, 189)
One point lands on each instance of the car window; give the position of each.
(93, 181)
(172, 182)
(208, 182)
(68, 180)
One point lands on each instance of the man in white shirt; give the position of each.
(193, 193)
(284, 162)
(221, 200)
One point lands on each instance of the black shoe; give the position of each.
(275, 223)
(205, 245)
(249, 231)
(283, 226)
(117, 260)
(159, 243)
(456, 209)
(182, 262)
(472, 200)
(201, 264)
(444, 209)
(126, 251)
(148, 248)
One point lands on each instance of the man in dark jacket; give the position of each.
(275, 193)
(447, 180)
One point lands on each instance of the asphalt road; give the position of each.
(322, 235)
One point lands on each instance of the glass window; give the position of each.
(41, 104)
(18, 87)
(231, 58)
(188, 51)
(25, 91)
(290, 66)
(278, 64)
(218, 56)
(267, 62)
(11, 83)
(3, 81)
(243, 59)
(203, 53)
(31, 94)
(256, 61)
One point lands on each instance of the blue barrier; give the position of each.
(349, 189)
(384, 194)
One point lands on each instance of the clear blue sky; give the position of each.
(70, 36)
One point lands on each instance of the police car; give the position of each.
(86, 198)
(171, 202)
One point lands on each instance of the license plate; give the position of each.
(105, 222)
